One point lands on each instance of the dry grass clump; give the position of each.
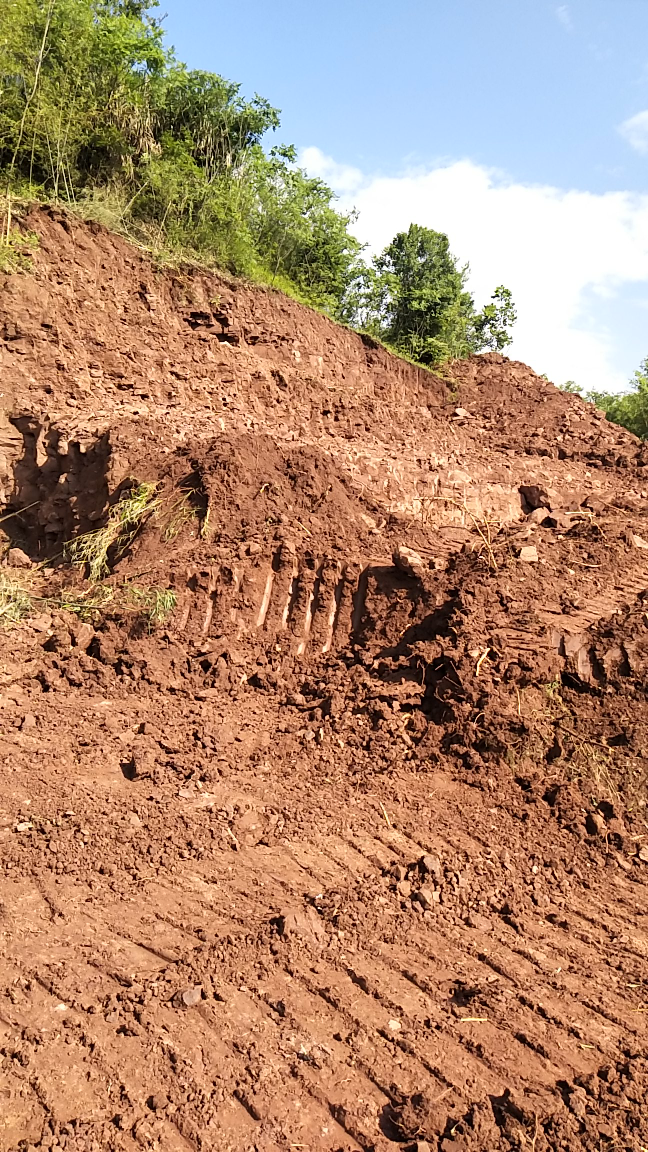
(181, 513)
(156, 604)
(123, 524)
(15, 601)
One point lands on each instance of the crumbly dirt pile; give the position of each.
(323, 820)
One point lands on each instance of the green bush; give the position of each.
(629, 409)
(96, 111)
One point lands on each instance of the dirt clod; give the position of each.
(595, 824)
(16, 558)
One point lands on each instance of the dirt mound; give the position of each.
(519, 412)
(323, 817)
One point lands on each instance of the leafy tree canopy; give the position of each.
(629, 409)
(96, 111)
(414, 297)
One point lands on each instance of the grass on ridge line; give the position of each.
(16, 248)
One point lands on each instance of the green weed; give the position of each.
(16, 250)
(86, 605)
(181, 513)
(156, 604)
(15, 601)
(124, 521)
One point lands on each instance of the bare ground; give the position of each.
(350, 851)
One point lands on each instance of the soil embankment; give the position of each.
(349, 850)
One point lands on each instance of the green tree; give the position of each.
(297, 231)
(629, 409)
(414, 297)
(75, 91)
(490, 327)
(96, 111)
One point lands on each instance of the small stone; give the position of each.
(303, 923)
(427, 897)
(643, 855)
(399, 872)
(192, 996)
(394, 1025)
(423, 1146)
(24, 826)
(538, 516)
(529, 554)
(639, 542)
(476, 920)
(41, 623)
(578, 1103)
(408, 561)
(16, 558)
(595, 824)
(28, 721)
(461, 412)
(404, 888)
(83, 636)
(431, 865)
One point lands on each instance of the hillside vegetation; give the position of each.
(629, 409)
(97, 112)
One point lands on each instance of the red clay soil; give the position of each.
(349, 851)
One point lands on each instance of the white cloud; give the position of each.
(565, 255)
(342, 177)
(635, 131)
(564, 15)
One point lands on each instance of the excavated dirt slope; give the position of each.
(350, 850)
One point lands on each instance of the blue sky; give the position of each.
(520, 127)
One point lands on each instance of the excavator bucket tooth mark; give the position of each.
(302, 601)
(359, 600)
(311, 609)
(210, 596)
(265, 603)
(334, 608)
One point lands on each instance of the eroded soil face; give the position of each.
(350, 850)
